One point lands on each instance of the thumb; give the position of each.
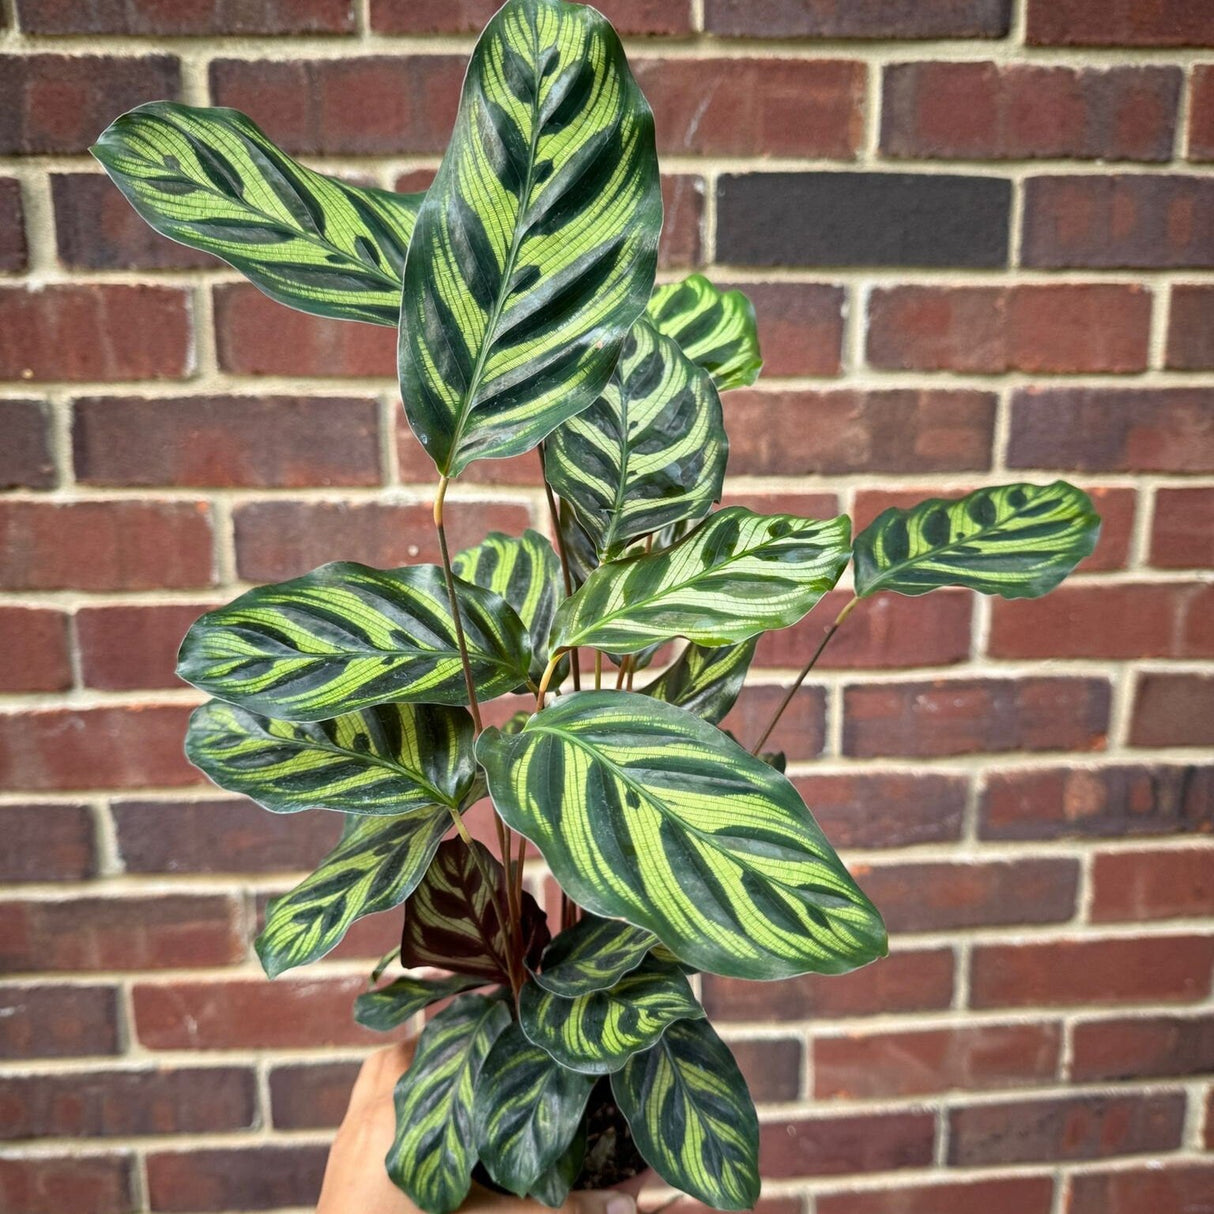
(600, 1201)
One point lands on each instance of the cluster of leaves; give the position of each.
(522, 285)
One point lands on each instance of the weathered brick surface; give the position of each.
(1173, 710)
(12, 225)
(132, 648)
(57, 1021)
(35, 642)
(307, 1097)
(882, 809)
(1142, 1047)
(1121, 23)
(862, 19)
(468, 16)
(1163, 1190)
(26, 461)
(1201, 113)
(1190, 340)
(146, 17)
(1015, 1195)
(833, 1145)
(47, 1184)
(1182, 531)
(1130, 887)
(259, 1178)
(48, 841)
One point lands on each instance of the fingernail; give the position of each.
(620, 1203)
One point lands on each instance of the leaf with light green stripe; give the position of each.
(1016, 541)
(597, 1033)
(716, 329)
(526, 571)
(692, 1117)
(667, 823)
(391, 759)
(212, 180)
(552, 1188)
(373, 868)
(592, 955)
(536, 246)
(526, 1112)
(649, 452)
(432, 1156)
(388, 1007)
(347, 636)
(705, 681)
(736, 575)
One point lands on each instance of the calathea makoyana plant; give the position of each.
(522, 285)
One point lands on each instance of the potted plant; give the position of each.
(569, 1053)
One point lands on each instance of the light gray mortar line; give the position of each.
(855, 330)
(1184, 115)
(708, 221)
(362, 20)
(141, 1189)
(981, 625)
(1062, 1191)
(1017, 38)
(1198, 1103)
(195, 63)
(205, 367)
(109, 855)
(940, 1149)
(697, 16)
(1161, 313)
(1121, 712)
(389, 456)
(874, 100)
(961, 974)
(1086, 893)
(39, 213)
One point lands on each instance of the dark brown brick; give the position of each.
(1182, 531)
(1190, 333)
(1173, 710)
(800, 325)
(59, 104)
(1012, 1195)
(972, 716)
(1137, 221)
(469, 16)
(311, 1096)
(801, 732)
(682, 243)
(1113, 429)
(50, 1184)
(266, 1177)
(1176, 1189)
(133, 648)
(47, 842)
(150, 17)
(58, 1021)
(917, 1062)
(286, 442)
(1067, 1128)
(1101, 802)
(13, 251)
(858, 19)
(118, 545)
(1062, 973)
(99, 331)
(26, 461)
(985, 111)
(886, 809)
(1201, 113)
(34, 642)
(1119, 23)
(1138, 886)
(771, 1067)
(832, 1146)
(1146, 1047)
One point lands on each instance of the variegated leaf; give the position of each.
(536, 246)
(552, 1188)
(211, 179)
(347, 636)
(705, 681)
(388, 1007)
(592, 955)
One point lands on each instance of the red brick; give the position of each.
(417, 468)
(58, 1021)
(1119, 23)
(1190, 334)
(1062, 973)
(857, 19)
(1113, 429)
(153, 17)
(800, 325)
(847, 431)
(886, 809)
(1146, 1047)
(972, 716)
(1209, 1134)
(1102, 802)
(682, 243)
(1067, 1128)
(469, 16)
(1178, 1189)
(34, 642)
(26, 461)
(990, 330)
(984, 111)
(228, 836)
(936, 896)
(50, 1184)
(118, 545)
(1139, 620)
(1143, 885)
(265, 1177)
(135, 932)
(132, 648)
(47, 842)
(804, 505)
(833, 1146)
(771, 1067)
(121, 1103)
(801, 732)
(1182, 531)
(311, 1096)
(1139, 221)
(56, 104)
(108, 331)
(912, 1063)
(765, 107)
(123, 746)
(905, 981)
(281, 442)
(1013, 1195)
(1201, 113)
(373, 105)
(249, 1013)
(1173, 710)
(283, 539)
(13, 251)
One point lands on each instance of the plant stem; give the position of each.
(564, 555)
(449, 577)
(792, 691)
(598, 670)
(553, 663)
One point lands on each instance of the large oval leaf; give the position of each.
(716, 329)
(597, 1033)
(649, 452)
(536, 246)
(388, 1007)
(526, 1111)
(373, 868)
(347, 636)
(666, 822)
(211, 179)
(1016, 541)
(692, 1117)
(736, 575)
(592, 955)
(392, 759)
(705, 681)
(434, 1151)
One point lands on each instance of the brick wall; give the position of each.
(980, 236)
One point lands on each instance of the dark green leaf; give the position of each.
(552, 1188)
(592, 955)
(705, 681)
(716, 329)
(388, 1007)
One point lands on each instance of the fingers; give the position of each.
(596, 1201)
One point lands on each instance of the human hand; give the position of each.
(357, 1183)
